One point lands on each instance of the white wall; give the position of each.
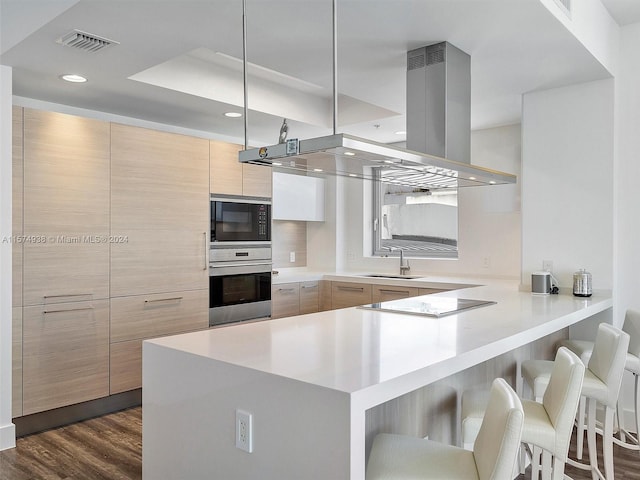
(567, 189)
(592, 26)
(489, 218)
(7, 429)
(627, 174)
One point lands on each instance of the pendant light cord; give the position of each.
(244, 72)
(334, 24)
(335, 65)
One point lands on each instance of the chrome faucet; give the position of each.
(404, 266)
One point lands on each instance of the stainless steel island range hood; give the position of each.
(438, 100)
(345, 155)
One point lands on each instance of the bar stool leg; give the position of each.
(546, 464)
(580, 427)
(607, 442)
(558, 469)
(637, 406)
(591, 437)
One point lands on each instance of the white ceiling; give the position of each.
(168, 45)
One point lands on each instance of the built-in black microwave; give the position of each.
(240, 220)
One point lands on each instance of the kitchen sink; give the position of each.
(383, 275)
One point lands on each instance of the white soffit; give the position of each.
(218, 76)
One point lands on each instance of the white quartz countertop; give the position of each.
(375, 356)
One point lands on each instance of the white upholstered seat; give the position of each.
(547, 425)
(493, 457)
(601, 384)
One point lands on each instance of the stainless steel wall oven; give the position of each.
(239, 283)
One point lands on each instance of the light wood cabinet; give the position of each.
(159, 211)
(309, 297)
(125, 366)
(324, 295)
(147, 316)
(17, 182)
(66, 208)
(383, 293)
(16, 371)
(65, 354)
(230, 177)
(256, 180)
(285, 300)
(350, 294)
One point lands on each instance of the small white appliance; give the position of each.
(541, 283)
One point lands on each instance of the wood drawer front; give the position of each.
(347, 294)
(285, 300)
(125, 366)
(429, 291)
(309, 297)
(65, 354)
(383, 293)
(148, 316)
(324, 294)
(16, 387)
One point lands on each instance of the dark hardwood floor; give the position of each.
(110, 447)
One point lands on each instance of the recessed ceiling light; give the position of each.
(276, 164)
(492, 182)
(233, 114)
(472, 178)
(388, 161)
(351, 154)
(72, 77)
(352, 175)
(401, 132)
(317, 169)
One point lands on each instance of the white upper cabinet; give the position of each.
(296, 197)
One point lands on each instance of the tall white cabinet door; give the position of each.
(66, 208)
(159, 211)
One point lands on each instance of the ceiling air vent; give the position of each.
(85, 41)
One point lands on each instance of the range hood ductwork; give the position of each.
(438, 122)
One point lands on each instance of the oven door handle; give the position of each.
(217, 270)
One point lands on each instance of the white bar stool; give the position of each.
(602, 381)
(584, 348)
(547, 425)
(493, 457)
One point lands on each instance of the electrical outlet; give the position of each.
(244, 432)
(486, 262)
(547, 265)
(292, 257)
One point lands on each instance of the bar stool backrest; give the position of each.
(496, 448)
(562, 396)
(632, 327)
(608, 359)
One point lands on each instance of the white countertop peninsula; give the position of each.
(309, 380)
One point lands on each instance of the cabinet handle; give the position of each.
(205, 251)
(383, 290)
(286, 289)
(163, 299)
(68, 310)
(351, 289)
(68, 295)
(309, 286)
